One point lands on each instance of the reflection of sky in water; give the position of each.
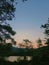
(14, 58)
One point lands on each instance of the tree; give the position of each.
(39, 41)
(5, 33)
(46, 31)
(26, 42)
(7, 10)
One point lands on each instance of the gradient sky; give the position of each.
(28, 18)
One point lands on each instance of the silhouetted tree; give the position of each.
(7, 9)
(39, 41)
(5, 33)
(46, 32)
(26, 42)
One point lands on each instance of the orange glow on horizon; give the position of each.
(21, 36)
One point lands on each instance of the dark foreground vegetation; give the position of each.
(38, 56)
(2, 62)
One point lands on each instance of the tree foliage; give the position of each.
(39, 41)
(27, 41)
(46, 31)
(7, 10)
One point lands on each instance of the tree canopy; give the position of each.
(46, 31)
(7, 10)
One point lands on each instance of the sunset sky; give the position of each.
(28, 18)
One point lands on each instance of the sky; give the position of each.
(29, 17)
